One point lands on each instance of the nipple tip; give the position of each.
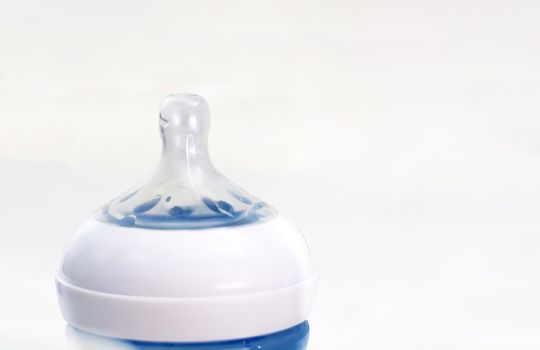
(183, 102)
(177, 107)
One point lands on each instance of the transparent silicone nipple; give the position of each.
(185, 191)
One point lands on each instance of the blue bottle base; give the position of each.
(295, 338)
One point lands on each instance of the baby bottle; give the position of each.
(187, 259)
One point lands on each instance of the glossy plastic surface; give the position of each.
(295, 338)
(186, 285)
(186, 191)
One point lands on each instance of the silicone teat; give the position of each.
(186, 191)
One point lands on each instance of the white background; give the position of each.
(403, 137)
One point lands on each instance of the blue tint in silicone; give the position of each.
(295, 338)
(186, 191)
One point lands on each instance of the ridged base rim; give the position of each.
(163, 319)
(295, 338)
